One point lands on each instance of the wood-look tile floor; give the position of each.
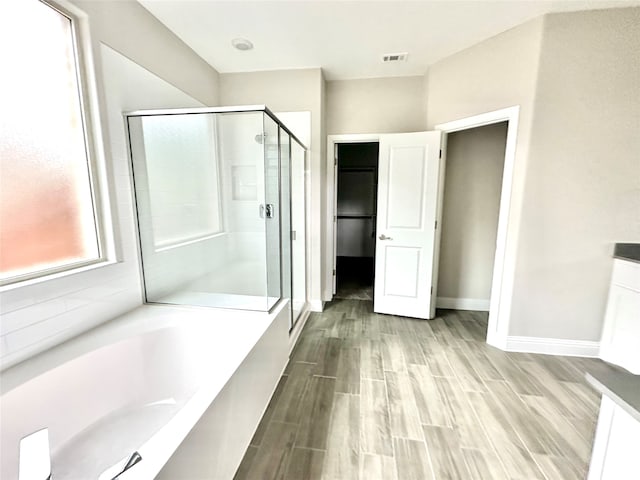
(368, 396)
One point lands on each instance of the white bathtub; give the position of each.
(141, 383)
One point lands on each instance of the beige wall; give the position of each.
(576, 79)
(292, 90)
(582, 189)
(130, 29)
(497, 73)
(376, 105)
(473, 179)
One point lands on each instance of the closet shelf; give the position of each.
(355, 216)
(357, 169)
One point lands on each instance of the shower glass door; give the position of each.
(298, 229)
(270, 211)
(285, 219)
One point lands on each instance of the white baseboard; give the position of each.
(316, 305)
(477, 304)
(553, 346)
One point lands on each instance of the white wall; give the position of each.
(43, 314)
(293, 90)
(127, 27)
(242, 163)
(582, 191)
(376, 105)
(473, 180)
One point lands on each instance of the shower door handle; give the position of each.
(384, 237)
(267, 211)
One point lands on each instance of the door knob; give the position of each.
(384, 237)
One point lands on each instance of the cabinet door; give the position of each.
(615, 449)
(621, 335)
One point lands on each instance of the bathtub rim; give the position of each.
(143, 319)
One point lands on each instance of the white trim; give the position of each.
(295, 332)
(553, 346)
(508, 221)
(330, 238)
(99, 168)
(316, 305)
(442, 168)
(477, 304)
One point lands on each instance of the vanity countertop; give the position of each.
(619, 385)
(627, 251)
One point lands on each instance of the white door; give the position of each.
(406, 246)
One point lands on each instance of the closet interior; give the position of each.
(357, 186)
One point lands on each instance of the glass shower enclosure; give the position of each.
(220, 195)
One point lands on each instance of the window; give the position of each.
(48, 220)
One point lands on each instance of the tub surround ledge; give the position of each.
(142, 382)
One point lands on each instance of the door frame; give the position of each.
(508, 221)
(332, 200)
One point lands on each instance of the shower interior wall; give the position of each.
(234, 261)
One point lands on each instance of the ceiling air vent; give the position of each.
(395, 57)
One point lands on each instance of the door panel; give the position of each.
(407, 199)
(405, 187)
(401, 264)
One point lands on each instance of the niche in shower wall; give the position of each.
(213, 195)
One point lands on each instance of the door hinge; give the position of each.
(334, 272)
(440, 153)
(432, 290)
(436, 227)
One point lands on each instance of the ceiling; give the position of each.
(346, 38)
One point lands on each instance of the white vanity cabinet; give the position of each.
(620, 343)
(615, 447)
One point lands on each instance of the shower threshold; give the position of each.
(220, 300)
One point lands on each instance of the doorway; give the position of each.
(508, 218)
(406, 234)
(471, 202)
(508, 221)
(356, 205)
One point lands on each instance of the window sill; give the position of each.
(58, 275)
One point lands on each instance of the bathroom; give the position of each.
(140, 65)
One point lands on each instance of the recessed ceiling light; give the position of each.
(242, 44)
